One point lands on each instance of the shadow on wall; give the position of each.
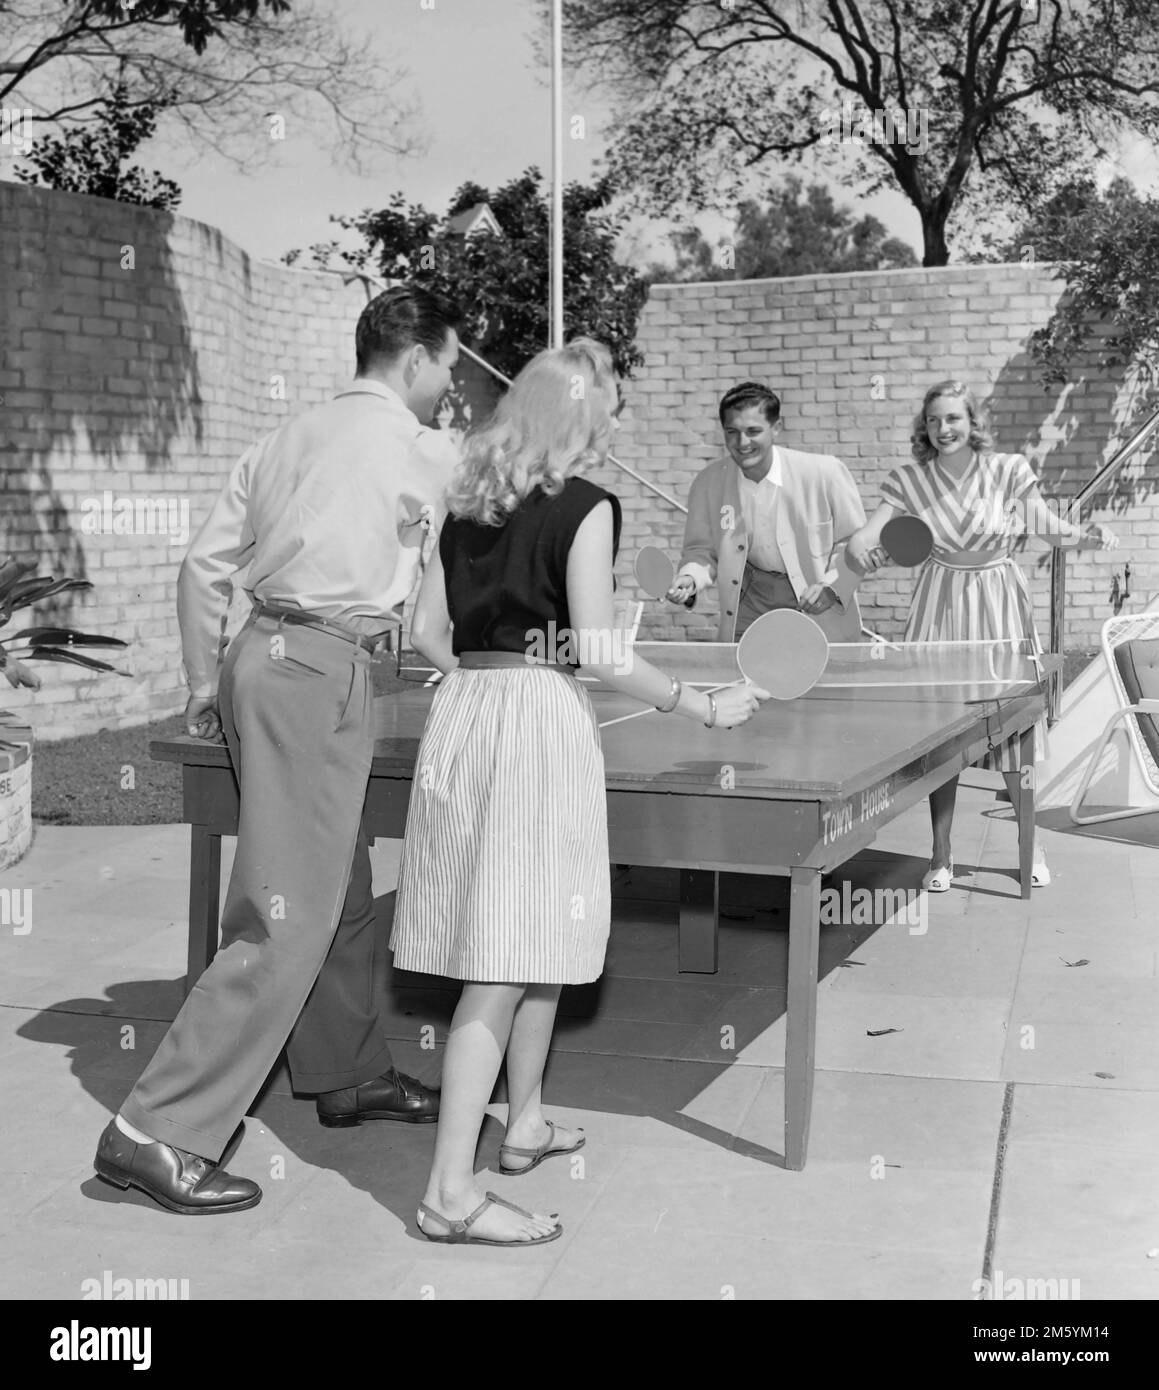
(100, 372)
(1068, 431)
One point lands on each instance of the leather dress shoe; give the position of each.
(389, 1097)
(181, 1181)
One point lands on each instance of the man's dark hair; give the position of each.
(397, 319)
(750, 393)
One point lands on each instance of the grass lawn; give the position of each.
(80, 781)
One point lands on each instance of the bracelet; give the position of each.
(674, 693)
(710, 722)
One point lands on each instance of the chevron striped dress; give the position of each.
(505, 874)
(971, 517)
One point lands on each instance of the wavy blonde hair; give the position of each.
(553, 423)
(980, 436)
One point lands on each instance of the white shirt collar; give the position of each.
(775, 477)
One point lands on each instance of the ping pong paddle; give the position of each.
(655, 572)
(785, 652)
(907, 540)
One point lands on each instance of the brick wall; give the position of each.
(141, 354)
(851, 357)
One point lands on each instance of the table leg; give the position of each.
(1025, 809)
(801, 1019)
(699, 920)
(204, 901)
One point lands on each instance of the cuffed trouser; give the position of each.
(297, 711)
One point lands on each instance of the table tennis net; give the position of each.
(954, 665)
(930, 664)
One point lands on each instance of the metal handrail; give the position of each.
(1058, 556)
(368, 280)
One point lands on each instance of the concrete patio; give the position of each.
(986, 1104)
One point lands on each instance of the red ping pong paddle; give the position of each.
(785, 652)
(655, 572)
(907, 540)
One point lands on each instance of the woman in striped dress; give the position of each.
(504, 882)
(976, 502)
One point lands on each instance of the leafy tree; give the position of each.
(1107, 250)
(225, 72)
(1001, 101)
(92, 160)
(796, 231)
(501, 282)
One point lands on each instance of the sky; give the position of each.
(486, 113)
(486, 110)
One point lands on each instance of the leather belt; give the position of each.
(301, 617)
(947, 562)
(482, 661)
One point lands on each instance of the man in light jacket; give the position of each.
(768, 526)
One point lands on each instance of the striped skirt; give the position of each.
(504, 874)
(955, 604)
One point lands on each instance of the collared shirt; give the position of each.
(759, 503)
(329, 511)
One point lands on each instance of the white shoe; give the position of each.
(938, 880)
(1039, 872)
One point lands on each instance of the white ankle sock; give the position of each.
(126, 1128)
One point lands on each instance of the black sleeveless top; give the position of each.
(504, 582)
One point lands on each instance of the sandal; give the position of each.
(536, 1155)
(460, 1231)
(938, 880)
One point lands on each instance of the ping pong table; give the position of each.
(797, 791)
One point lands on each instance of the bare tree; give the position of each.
(230, 74)
(962, 106)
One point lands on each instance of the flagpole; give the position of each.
(556, 255)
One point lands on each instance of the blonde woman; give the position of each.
(504, 882)
(976, 502)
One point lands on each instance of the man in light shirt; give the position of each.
(329, 512)
(768, 526)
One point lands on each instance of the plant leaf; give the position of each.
(68, 658)
(35, 585)
(63, 637)
(11, 572)
(30, 591)
(54, 586)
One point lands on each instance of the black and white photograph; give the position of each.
(579, 613)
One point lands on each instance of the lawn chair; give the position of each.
(1130, 647)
